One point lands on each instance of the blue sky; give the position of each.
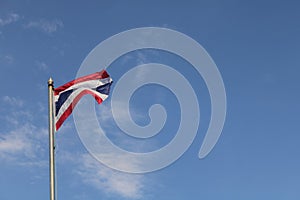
(255, 45)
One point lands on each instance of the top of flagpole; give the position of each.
(50, 82)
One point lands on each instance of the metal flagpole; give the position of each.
(51, 140)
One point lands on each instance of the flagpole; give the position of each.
(51, 140)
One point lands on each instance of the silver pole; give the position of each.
(51, 140)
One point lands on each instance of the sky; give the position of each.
(255, 45)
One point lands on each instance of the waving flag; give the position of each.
(67, 96)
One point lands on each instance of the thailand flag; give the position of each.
(67, 96)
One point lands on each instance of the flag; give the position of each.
(67, 96)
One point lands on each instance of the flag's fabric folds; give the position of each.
(68, 95)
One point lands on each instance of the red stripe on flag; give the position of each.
(98, 75)
(69, 110)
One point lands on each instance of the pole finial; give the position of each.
(50, 81)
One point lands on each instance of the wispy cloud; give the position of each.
(141, 58)
(8, 59)
(142, 73)
(46, 26)
(42, 66)
(22, 142)
(94, 174)
(138, 58)
(110, 181)
(11, 18)
(121, 113)
(12, 101)
(18, 118)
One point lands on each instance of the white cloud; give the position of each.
(11, 18)
(108, 180)
(23, 145)
(141, 58)
(12, 101)
(17, 118)
(121, 113)
(8, 59)
(142, 73)
(47, 26)
(42, 66)
(44, 25)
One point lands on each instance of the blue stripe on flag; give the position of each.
(61, 100)
(104, 89)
